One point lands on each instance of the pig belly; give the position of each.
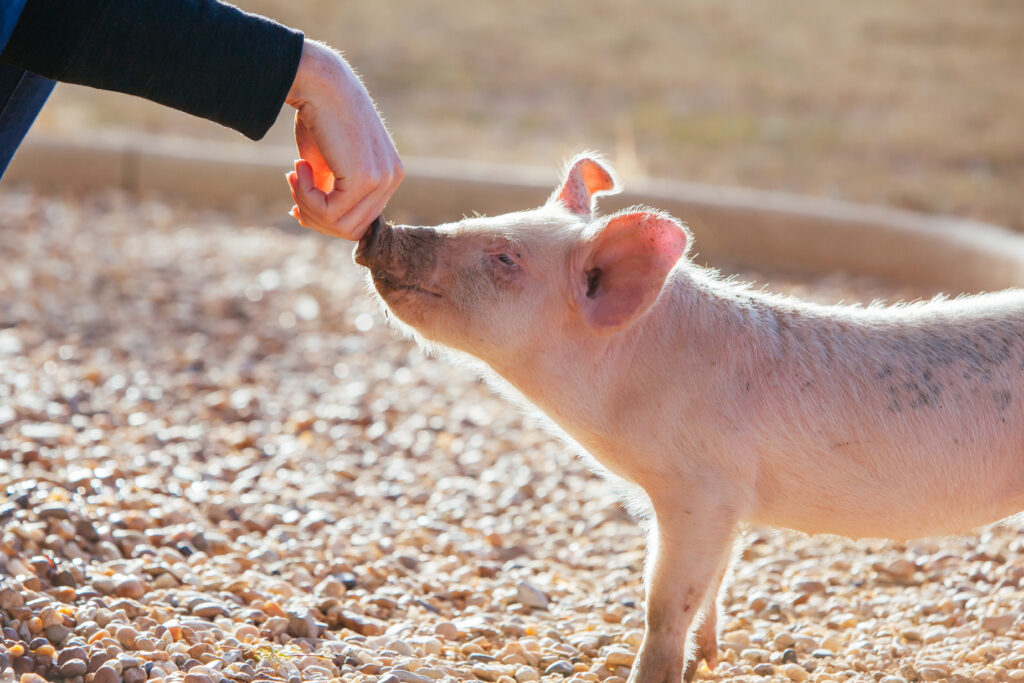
(901, 486)
(923, 496)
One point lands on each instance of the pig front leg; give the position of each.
(689, 550)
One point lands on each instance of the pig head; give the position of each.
(527, 292)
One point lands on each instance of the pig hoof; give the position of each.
(707, 647)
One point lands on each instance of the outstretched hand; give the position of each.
(348, 166)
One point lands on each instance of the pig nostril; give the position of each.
(371, 232)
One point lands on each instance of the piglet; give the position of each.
(719, 404)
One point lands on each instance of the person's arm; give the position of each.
(199, 56)
(215, 61)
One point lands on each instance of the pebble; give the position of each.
(525, 674)
(560, 668)
(999, 623)
(795, 672)
(409, 677)
(198, 678)
(106, 674)
(620, 658)
(529, 595)
(208, 610)
(753, 654)
(129, 587)
(73, 667)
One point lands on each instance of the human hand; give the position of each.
(348, 166)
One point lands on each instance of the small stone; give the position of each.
(998, 623)
(31, 678)
(929, 673)
(795, 672)
(809, 587)
(10, 599)
(620, 658)
(737, 640)
(53, 511)
(57, 634)
(209, 610)
(488, 672)
(302, 625)
(764, 670)
(446, 630)
(73, 667)
(529, 595)
(196, 677)
(129, 587)
(106, 674)
(70, 653)
(901, 570)
(561, 668)
(409, 677)
(401, 647)
(892, 679)
(784, 640)
(831, 642)
(754, 654)
(789, 656)
(525, 674)
(911, 634)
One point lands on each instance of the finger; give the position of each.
(304, 175)
(353, 224)
(310, 199)
(293, 183)
(310, 153)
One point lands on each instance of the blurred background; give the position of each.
(916, 104)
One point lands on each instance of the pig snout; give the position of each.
(368, 248)
(399, 257)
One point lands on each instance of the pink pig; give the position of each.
(720, 404)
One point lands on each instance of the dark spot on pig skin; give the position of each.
(1003, 399)
(976, 357)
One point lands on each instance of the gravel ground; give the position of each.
(221, 464)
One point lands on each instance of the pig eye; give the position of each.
(506, 259)
(593, 280)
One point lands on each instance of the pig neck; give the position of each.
(641, 388)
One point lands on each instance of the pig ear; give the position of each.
(626, 267)
(585, 179)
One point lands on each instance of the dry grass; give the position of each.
(916, 104)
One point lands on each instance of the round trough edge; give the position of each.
(730, 224)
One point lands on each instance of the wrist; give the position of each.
(311, 67)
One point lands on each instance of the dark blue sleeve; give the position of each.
(204, 57)
(10, 10)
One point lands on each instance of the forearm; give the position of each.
(200, 56)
